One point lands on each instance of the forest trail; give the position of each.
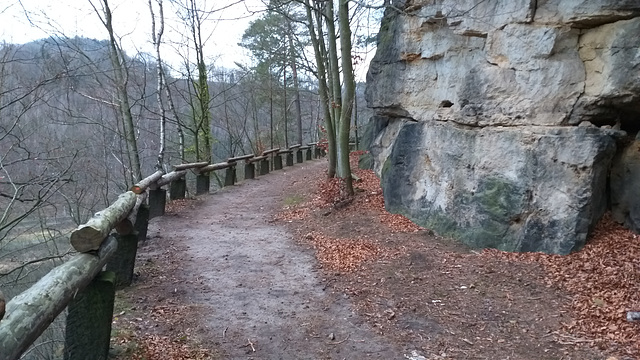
(271, 269)
(254, 292)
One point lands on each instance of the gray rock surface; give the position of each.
(625, 186)
(478, 105)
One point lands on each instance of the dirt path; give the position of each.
(253, 286)
(223, 277)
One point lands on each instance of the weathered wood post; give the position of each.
(309, 153)
(230, 175)
(277, 162)
(299, 158)
(232, 161)
(124, 260)
(178, 189)
(264, 166)
(290, 158)
(157, 202)
(317, 153)
(141, 224)
(313, 150)
(273, 154)
(202, 184)
(88, 328)
(249, 170)
(202, 179)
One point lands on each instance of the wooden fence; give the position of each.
(107, 246)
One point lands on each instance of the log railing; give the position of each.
(107, 246)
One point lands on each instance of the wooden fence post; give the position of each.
(142, 222)
(230, 176)
(264, 166)
(202, 184)
(317, 153)
(299, 158)
(177, 189)
(309, 154)
(88, 328)
(277, 162)
(123, 261)
(157, 202)
(290, 159)
(249, 171)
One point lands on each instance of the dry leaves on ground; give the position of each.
(331, 192)
(343, 255)
(163, 348)
(177, 205)
(604, 279)
(292, 213)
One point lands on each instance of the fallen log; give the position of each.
(142, 186)
(89, 236)
(31, 312)
(238, 158)
(212, 167)
(190, 166)
(170, 177)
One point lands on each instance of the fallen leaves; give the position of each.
(604, 279)
(163, 348)
(178, 205)
(343, 255)
(346, 254)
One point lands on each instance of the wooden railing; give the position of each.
(107, 246)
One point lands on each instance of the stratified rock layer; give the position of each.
(497, 121)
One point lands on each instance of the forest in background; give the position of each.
(74, 112)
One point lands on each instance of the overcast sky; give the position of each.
(29, 20)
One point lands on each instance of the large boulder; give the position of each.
(497, 121)
(625, 186)
(516, 189)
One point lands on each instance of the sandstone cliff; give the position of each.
(509, 123)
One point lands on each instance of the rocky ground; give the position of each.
(286, 267)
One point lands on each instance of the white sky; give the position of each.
(27, 20)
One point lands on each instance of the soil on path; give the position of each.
(245, 287)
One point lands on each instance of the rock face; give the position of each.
(497, 121)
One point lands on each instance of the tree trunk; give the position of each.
(121, 78)
(202, 120)
(296, 88)
(157, 38)
(317, 41)
(344, 168)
